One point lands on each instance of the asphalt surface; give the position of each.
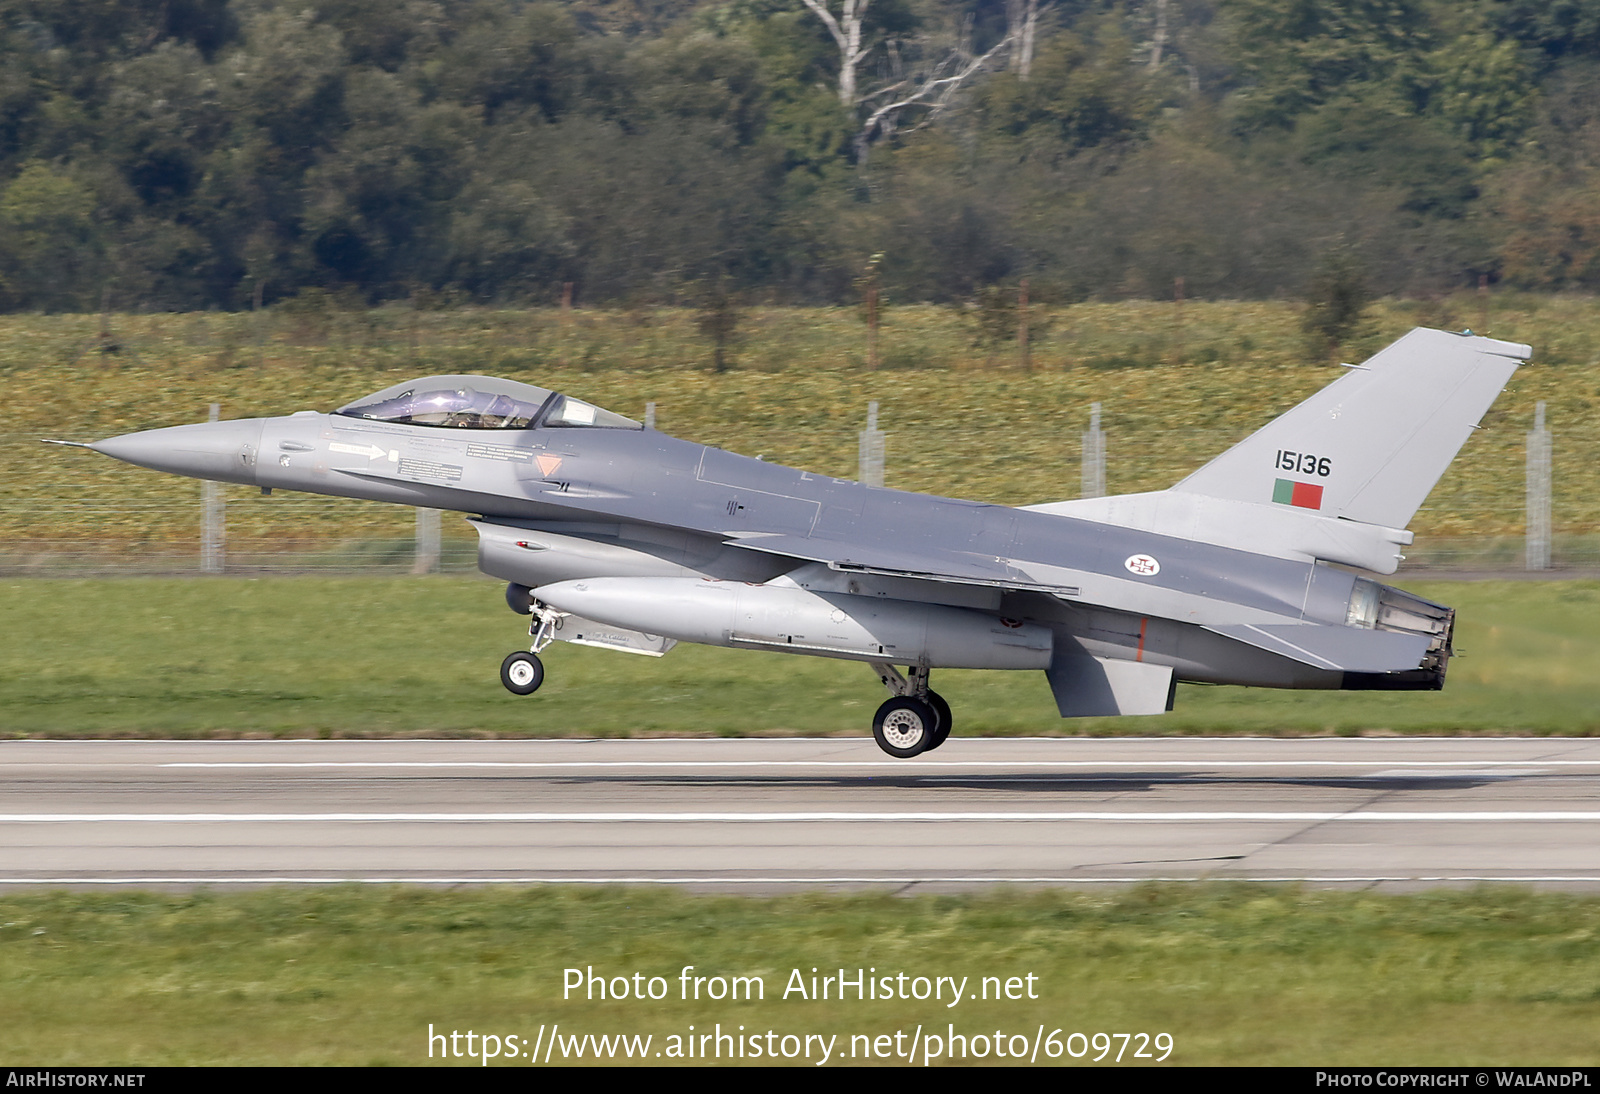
(773, 815)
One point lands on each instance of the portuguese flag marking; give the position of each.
(1303, 494)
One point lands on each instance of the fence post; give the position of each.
(213, 530)
(1177, 319)
(1538, 511)
(1023, 353)
(427, 557)
(256, 316)
(871, 448)
(649, 415)
(1094, 457)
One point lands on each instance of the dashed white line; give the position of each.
(860, 879)
(899, 765)
(827, 816)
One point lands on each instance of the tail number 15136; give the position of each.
(1304, 463)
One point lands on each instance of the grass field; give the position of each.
(1177, 386)
(370, 656)
(1234, 974)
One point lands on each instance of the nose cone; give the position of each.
(224, 451)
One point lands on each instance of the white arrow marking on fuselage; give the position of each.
(370, 451)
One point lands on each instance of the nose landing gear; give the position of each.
(523, 672)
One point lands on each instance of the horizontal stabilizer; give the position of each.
(1332, 647)
(1087, 687)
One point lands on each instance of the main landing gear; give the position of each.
(916, 719)
(523, 672)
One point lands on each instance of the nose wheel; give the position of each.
(522, 673)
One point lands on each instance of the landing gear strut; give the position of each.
(916, 719)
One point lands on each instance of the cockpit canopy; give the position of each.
(480, 402)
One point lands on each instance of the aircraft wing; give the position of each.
(1194, 598)
(957, 567)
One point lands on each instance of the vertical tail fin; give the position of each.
(1372, 444)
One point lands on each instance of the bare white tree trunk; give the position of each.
(931, 90)
(1029, 26)
(1022, 22)
(1159, 46)
(846, 31)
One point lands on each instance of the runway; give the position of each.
(776, 815)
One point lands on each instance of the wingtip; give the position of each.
(1499, 347)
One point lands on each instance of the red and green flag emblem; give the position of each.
(1303, 494)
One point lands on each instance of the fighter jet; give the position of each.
(1251, 571)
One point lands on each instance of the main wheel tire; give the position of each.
(941, 708)
(904, 726)
(522, 673)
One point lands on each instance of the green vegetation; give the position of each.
(360, 657)
(1178, 385)
(1237, 975)
(228, 153)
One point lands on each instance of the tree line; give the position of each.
(181, 154)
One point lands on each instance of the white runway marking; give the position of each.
(898, 765)
(1184, 817)
(655, 879)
